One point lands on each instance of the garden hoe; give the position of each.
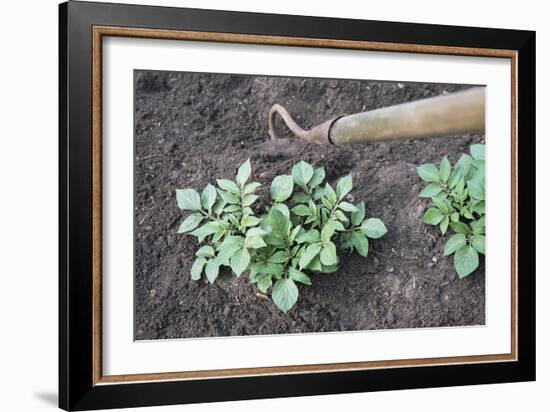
(451, 114)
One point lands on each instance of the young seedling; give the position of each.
(283, 247)
(458, 201)
(230, 228)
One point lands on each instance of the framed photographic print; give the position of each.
(257, 205)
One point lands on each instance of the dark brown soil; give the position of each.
(193, 128)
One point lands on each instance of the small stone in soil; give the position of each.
(444, 298)
(434, 259)
(389, 269)
(152, 293)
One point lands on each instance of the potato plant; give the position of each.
(458, 202)
(284, 247)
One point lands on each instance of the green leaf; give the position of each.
(190, 223)
(467, 214)
(244, 173)
(302, 173)
(341, 216)
(329, 269)
(330, 194)
(281, 256)
(309, 254)
(253, 272)
(327, 231)
(478, 242)
(272, 269)
(443, 205)
(339, 226)
(466, 261)
(480, 171)
(196, 269)
(281, 188)
(212, 270)
(328, 254)
(298, 276)
(264, 283)
(301, 198)
(454, 243)
(454, 178)
(205, 251)
(327, 203)
(361, 243)
(285, 294)
(229, 186)
(217, 236)
(281, 207)
(347, 207)
(478, 151)
(444, 225)
(249, 199)
(208, 197)
(309, 236)
(229, 246)
(278, 242)
(318, 177)
(219, 206)
(431, 190)
(459, 188)
(251, 187)
(479, 166)
(254, 242)
(444, 170)
(205, 230)
(464, 164)
(294, 233)
(233, 219)
(344, 186)
(479, 208)
(249, 221)
(255, 231)
(239, 261)
(232, 208)
(279, 223)
(428, 172)
(460, 227)
(358, 216)
(476, 187)
(478, 226)
(229, 197)
(315, 264)
(374, 228)
(432, 216)
(301, 210)
(188, 199)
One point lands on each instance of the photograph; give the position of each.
(268, 205)
(287, 205)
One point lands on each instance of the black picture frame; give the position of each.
(77, 390)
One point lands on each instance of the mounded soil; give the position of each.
(191, 128)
